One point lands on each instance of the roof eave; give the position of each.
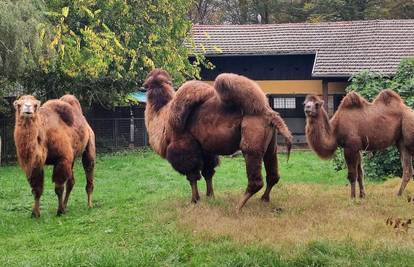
(331, 75)
(299, 53)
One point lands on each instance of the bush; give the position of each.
(381, 164)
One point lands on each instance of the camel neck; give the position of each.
(159, 97)
(320, 135)
(322, 121)
(27, 138)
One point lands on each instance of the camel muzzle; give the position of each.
(27, 110)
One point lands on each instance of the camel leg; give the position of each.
(254, 168)
(69, 186)
(360, 177)
(271, 166)
(88, 162)
(406, 161)
(36, 181)
(193, 178)
(61, 173)
(351, 159)
(210, 162)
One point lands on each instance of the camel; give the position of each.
(359, 125)
(194, 125)
(53, 134)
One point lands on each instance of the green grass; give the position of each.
(137, 220)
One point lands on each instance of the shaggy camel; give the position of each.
(359, 126)
(199, 122)
(54, 134)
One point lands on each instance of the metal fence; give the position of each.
(111, 135)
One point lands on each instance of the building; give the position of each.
(290, 61)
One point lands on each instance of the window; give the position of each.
(284, 103)
(331, 105)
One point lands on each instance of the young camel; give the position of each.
(54, 134)
(359, 126)
(194, 125)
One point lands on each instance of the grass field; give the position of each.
(142, 217)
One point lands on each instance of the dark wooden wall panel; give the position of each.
(292, 67)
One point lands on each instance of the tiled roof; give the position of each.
(341, 48)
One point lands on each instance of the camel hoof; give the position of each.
(265, 199)
(60, 212)
(35, 214)
(362, 195)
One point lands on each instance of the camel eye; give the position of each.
(317, 104)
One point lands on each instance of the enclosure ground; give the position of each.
(142, 217)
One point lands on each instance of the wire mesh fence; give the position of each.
(112, 134)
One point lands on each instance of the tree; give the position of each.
(105, 48)
(21, 46)
(98, 50)
(287, 11)
(206, 12)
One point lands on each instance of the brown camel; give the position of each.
(199, 122)
(359, 126)
(53, 134)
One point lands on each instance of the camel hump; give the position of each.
(62, 109)
(189, 96)
(387, 96)
(353, 100)
(73, 101)
(238, 90)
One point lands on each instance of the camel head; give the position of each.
(312, 105)
(158, 86)
(26, 107)
(157, 78)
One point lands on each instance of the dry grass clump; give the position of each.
(299, 213)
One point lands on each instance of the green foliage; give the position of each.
(368, 84)
(21, 47)
(105, 48)
(380, 164)
(98, 50)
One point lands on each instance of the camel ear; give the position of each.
(320, 103)
(38, 104)
(15, 104)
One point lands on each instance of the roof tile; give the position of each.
(341, 48)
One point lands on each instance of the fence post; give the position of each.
(131, 129)
(116, 123)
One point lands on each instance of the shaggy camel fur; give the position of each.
(359, 126)
(53, 134)
(199, 122)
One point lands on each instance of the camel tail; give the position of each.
(240, 91)
(189, 96)
(284, 131)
